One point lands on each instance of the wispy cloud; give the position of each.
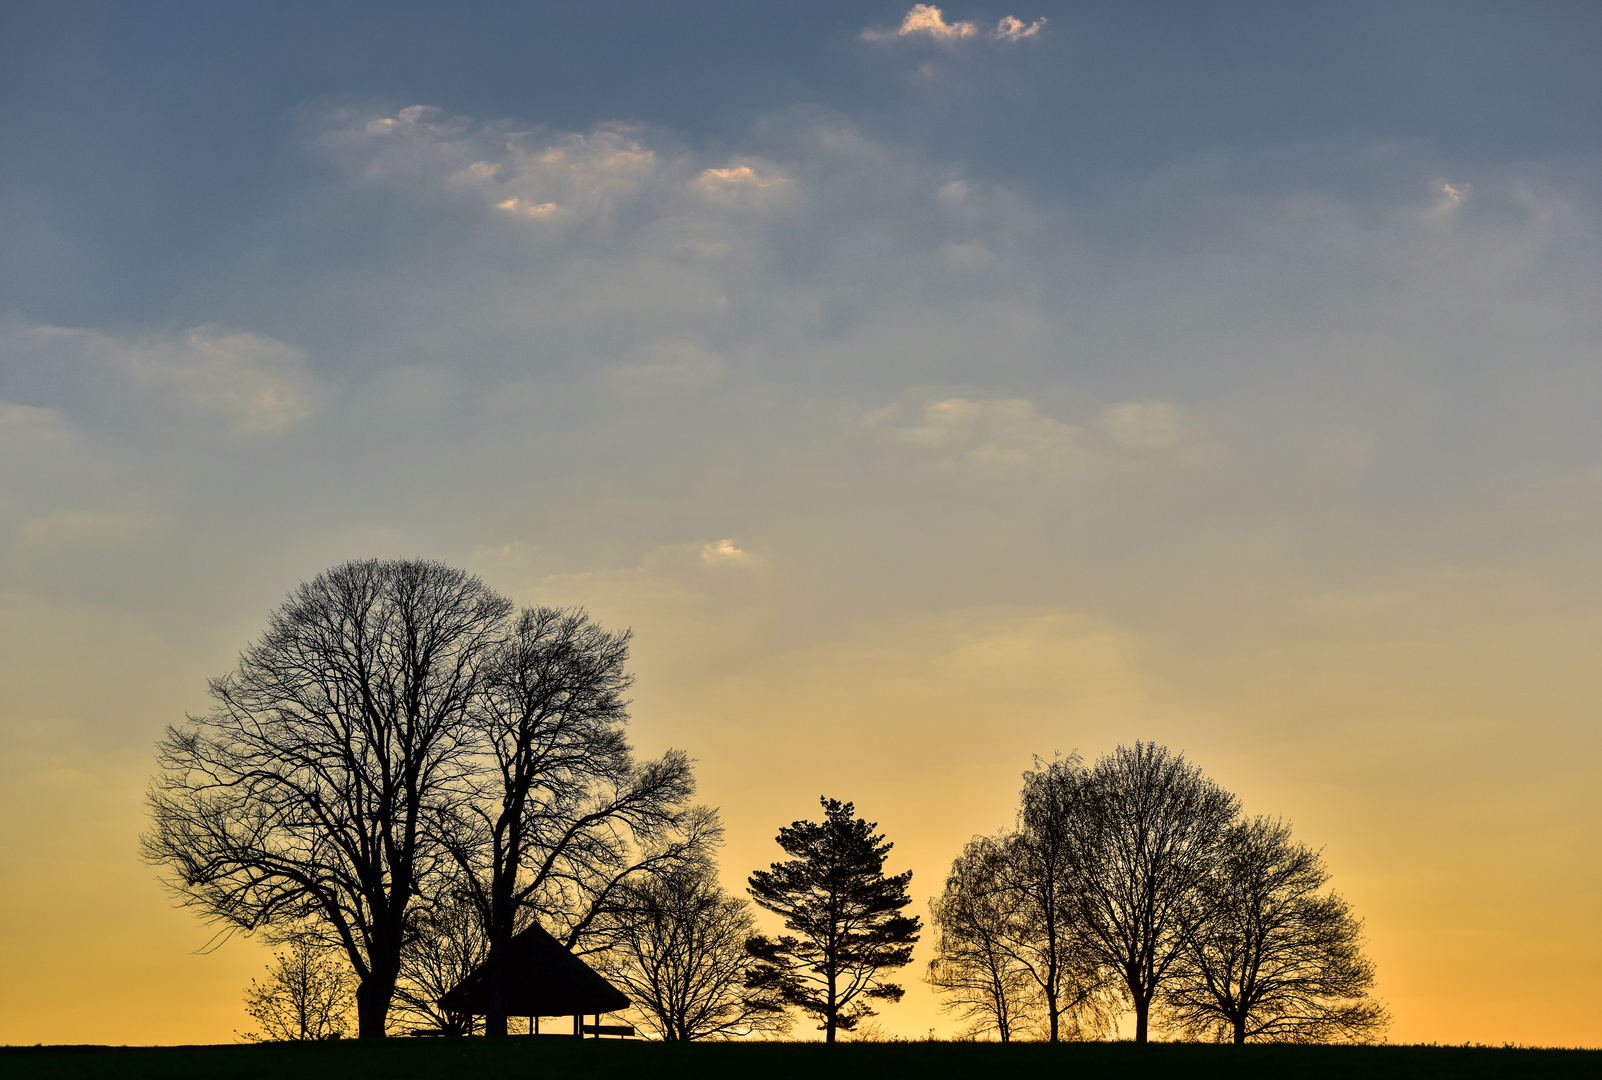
(989, 437)
(256, 384)
(928, 21)
(539, 175)
(1452, 196)
(259, 384)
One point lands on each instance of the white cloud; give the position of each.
(1011, 28)
(537, 175)
(744, 175)
(723, 551)
(738, 181)
(928, 21)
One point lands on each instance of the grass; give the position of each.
(608, 1059)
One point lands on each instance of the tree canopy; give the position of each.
(398, 745)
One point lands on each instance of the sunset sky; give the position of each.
(928, 390)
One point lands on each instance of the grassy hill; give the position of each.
(606, 1060)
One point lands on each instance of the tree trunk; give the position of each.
(500, 950)
(834, 1009)
(1142, 1012)
(1240, 1030)
(495, 1018)
(372, 1005)
(378, 985)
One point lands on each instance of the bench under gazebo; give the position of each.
(543, 979)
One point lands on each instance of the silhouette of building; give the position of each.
(543, 979)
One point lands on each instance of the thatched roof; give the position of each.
(542, 979)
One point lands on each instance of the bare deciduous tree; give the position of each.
(447, 942)
(307, 995)
(974, 968)
(681, 958)
(1047, 932)
(301, 797)
(1143, 841)
(1013, 919)
(1271, 957)
(561, 817)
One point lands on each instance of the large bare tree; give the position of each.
(1271, 957)
(1145, 832)
(301, 798)
(561, 816)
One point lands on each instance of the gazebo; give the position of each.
(543, 979)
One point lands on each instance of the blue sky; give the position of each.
(1041, 377)
(152, 136)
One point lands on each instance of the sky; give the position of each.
(928, 389)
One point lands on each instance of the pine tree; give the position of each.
(845, 914)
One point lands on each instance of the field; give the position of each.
(604, 1060)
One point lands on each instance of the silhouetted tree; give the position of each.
(1047, 932)
(1144, 830)
(1270, 957)
(307, 995)
(974, 967)
(846, 916)
(1012, 920)
(302, 796)
(447, 942)
(681, 958)
(560, 817)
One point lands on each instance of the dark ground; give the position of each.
(394, 1059)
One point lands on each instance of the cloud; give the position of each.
(723, 551)
(1005, 433)
(995, 437)
(528, 174)
(255, 384)
(25, 428)
(1143, 425)
(737, 182)
(260, 385)
(1450, 199)
(743, 175)
(1015, 29)
(928, 21)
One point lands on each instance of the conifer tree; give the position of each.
(846, 917)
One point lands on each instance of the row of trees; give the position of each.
(1137, 884)
(405, 771)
